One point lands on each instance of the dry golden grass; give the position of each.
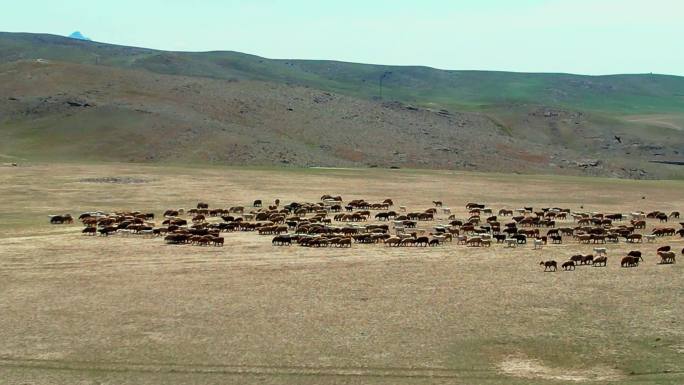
(78, 309)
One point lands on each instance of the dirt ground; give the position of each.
(129, 310)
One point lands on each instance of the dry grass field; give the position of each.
(128, 310)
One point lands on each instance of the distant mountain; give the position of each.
(77, 99)
(78, 35)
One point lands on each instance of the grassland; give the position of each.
(119, 310)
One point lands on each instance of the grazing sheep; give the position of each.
(577, 258)
(584, 238)
(587, 259)
(475, 242)
(61, 219)
(345, 242)
(569, 265)
(635, 238)
(600, 250)
(667, 257)
(392, 241)
(538, 244)
(105, 231)
(282, 240)
(600, 261)
(440, 238)
(636, 254)
(549, 265)
(407, 242)
(629, 261)
(422, 241)
(89, 231)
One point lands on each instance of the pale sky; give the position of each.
(575, 36)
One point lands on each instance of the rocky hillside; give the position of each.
(68, 99)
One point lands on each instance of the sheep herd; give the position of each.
(632, 259)
(331, 222)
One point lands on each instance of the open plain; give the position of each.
(76, 309)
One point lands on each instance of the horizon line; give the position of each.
(92, 41)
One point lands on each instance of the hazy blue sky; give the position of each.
(578, 36)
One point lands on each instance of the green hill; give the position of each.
(627, 119)
(619, 94)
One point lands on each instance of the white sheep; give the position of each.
(600, 251)
(538, 244)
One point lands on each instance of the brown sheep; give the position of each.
(549, 265)
(666, 257)
(577, 258)
(422, 241)
(345, 242)
(629, 261)
(393, 241)
(281, 240)
(61, 219)
(475, 242)
(569, 265)
(636, 254)
(587, 259)
(105, 231)
(635, 238)
(600, 261)
(407, 242)
(89, 231)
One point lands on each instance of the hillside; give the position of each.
(105, 102)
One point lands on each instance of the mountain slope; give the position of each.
(632, 94)
(234, 108)
(107, 113)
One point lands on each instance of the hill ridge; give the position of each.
(430, 118)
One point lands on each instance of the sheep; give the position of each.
(666, 257)
(569, 265)
(600, 251)
(538, 243)
(600, 261)
(549, 265)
